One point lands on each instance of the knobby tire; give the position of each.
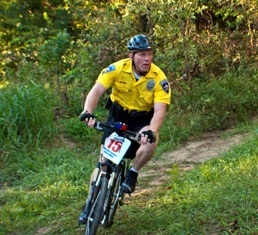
(114, 195)
(96, 212)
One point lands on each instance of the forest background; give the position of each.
(51, 54)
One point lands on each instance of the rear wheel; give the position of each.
(97, 206)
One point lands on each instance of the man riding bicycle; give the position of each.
(139, 97)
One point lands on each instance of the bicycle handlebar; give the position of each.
(118, 126)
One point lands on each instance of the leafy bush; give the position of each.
(219, 103)
(76, 130)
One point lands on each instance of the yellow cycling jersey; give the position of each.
(132, 94)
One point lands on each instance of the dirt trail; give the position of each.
(193, 152)
(187, 156)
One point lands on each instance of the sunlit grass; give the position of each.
(52, 185)
(217, 197)
(218, 194)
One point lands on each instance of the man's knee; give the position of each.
(146, 151)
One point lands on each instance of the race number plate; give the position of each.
(115, 147)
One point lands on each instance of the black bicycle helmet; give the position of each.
(138, 43)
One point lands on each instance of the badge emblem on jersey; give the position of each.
(150, 85)
(165, 86)
(109, 69)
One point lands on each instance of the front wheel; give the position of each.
(115, 196)
(96, 211)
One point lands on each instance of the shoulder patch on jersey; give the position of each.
(150, 85)
(165, 86)
(110, 68)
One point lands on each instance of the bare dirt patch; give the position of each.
(42, 231)
(192, 152)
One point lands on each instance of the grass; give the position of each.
(217, 197)
(49, 184)
(25, 119)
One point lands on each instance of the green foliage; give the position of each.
(78, 131)
(220, 103)
(69, 42)
(26, 117)
(52, 51)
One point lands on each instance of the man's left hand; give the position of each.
(148, 136)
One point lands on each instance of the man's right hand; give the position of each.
(88, 118)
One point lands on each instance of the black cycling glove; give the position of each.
(85, 115)
(151, 136)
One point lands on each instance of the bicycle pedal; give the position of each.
(82, 220)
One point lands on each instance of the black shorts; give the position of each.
(132, 126)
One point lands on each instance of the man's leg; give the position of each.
(143, 155)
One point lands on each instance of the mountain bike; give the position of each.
(105, 192)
